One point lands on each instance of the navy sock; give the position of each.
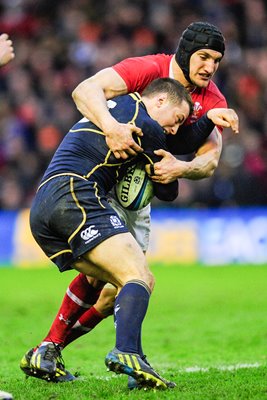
(130, 309)
(139, 344)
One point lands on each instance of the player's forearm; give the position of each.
(200, 167)
(206, 159)
(90, 100)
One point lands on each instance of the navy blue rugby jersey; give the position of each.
(84, 151)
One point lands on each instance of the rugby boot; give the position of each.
(45, 357)
(61, 374)
(133, 383)
(132, 364)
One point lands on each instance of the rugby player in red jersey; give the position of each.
(195, 62)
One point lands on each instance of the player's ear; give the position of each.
(161, 99)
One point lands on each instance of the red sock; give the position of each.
(79, 297)
(85, 324)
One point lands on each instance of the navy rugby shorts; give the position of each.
(69, 217)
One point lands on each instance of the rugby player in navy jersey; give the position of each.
(46, 362)
(73, 222)
(81, 294)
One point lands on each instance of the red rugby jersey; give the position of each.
(138, 72)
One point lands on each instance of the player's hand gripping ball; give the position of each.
(135, 190)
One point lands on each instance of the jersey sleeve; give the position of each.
(204, 100)
(154, 139)
(220, 103)
(168, 192)
(191, 137)
(137, 72)
(215, 99)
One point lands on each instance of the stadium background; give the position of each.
(215, 221)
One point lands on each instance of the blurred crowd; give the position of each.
(60, 43)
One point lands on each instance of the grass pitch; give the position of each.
(206, 329)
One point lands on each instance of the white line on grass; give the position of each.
(221, 367)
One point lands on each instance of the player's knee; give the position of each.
(148, 278)
(132, 267)
(138, 273)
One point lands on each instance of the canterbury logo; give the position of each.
(130, 360)
(89, 233)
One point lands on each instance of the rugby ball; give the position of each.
(135, 189)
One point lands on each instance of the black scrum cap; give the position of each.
(198, 35)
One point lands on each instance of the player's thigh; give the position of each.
(119, 257)
(69, 218)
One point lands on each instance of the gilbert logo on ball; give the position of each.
(135, 190)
